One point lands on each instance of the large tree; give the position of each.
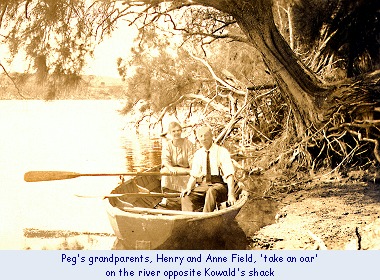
(321, 112)
(325, 112)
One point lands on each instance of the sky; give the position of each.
(105, 55)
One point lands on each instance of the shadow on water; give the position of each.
(258, 212)
(227, 237)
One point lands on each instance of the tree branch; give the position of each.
(376, 150)
(3, 13)
(207, 100)
(214, 36)
(222, 82)
(13, 81)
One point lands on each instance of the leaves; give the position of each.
(347, 29)
(64, 31)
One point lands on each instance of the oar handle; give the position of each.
(152, 194)
(38, 176)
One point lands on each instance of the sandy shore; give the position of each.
(336, 214)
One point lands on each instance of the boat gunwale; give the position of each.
(173, 214)
(166, 213)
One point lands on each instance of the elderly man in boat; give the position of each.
(211, 176)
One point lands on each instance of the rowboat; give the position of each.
(140, 224)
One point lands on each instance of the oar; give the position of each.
(152, 194)
(37, 176)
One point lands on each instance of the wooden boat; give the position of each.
(140, 224)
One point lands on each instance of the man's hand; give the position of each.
(189, 187)
(186, 192)
(231, 199)
(231, 196)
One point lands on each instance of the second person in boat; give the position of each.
(176, 157)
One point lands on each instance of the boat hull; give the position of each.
(145, 228)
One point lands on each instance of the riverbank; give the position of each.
(333, 213)
(86, 87)
(36, 239)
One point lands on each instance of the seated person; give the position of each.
(177, 154)
(212, 165)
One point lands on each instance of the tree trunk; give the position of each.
(41, 68)
(300, 87)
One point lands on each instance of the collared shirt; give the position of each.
(220, 160)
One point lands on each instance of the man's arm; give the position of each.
(231, 192)
(229, 171)
(190, 185)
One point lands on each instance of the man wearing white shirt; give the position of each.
(217, 177)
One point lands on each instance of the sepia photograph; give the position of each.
(190, 125)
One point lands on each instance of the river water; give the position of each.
(82, 136)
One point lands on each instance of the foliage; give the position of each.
(57, 36)
(158, 71)
(346, 29)
(167, 75)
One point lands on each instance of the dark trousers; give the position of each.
(206, 195)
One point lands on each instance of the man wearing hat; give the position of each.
(211, 176)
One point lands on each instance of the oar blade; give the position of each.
(38, 176)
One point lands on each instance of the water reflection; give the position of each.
(141, 151)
